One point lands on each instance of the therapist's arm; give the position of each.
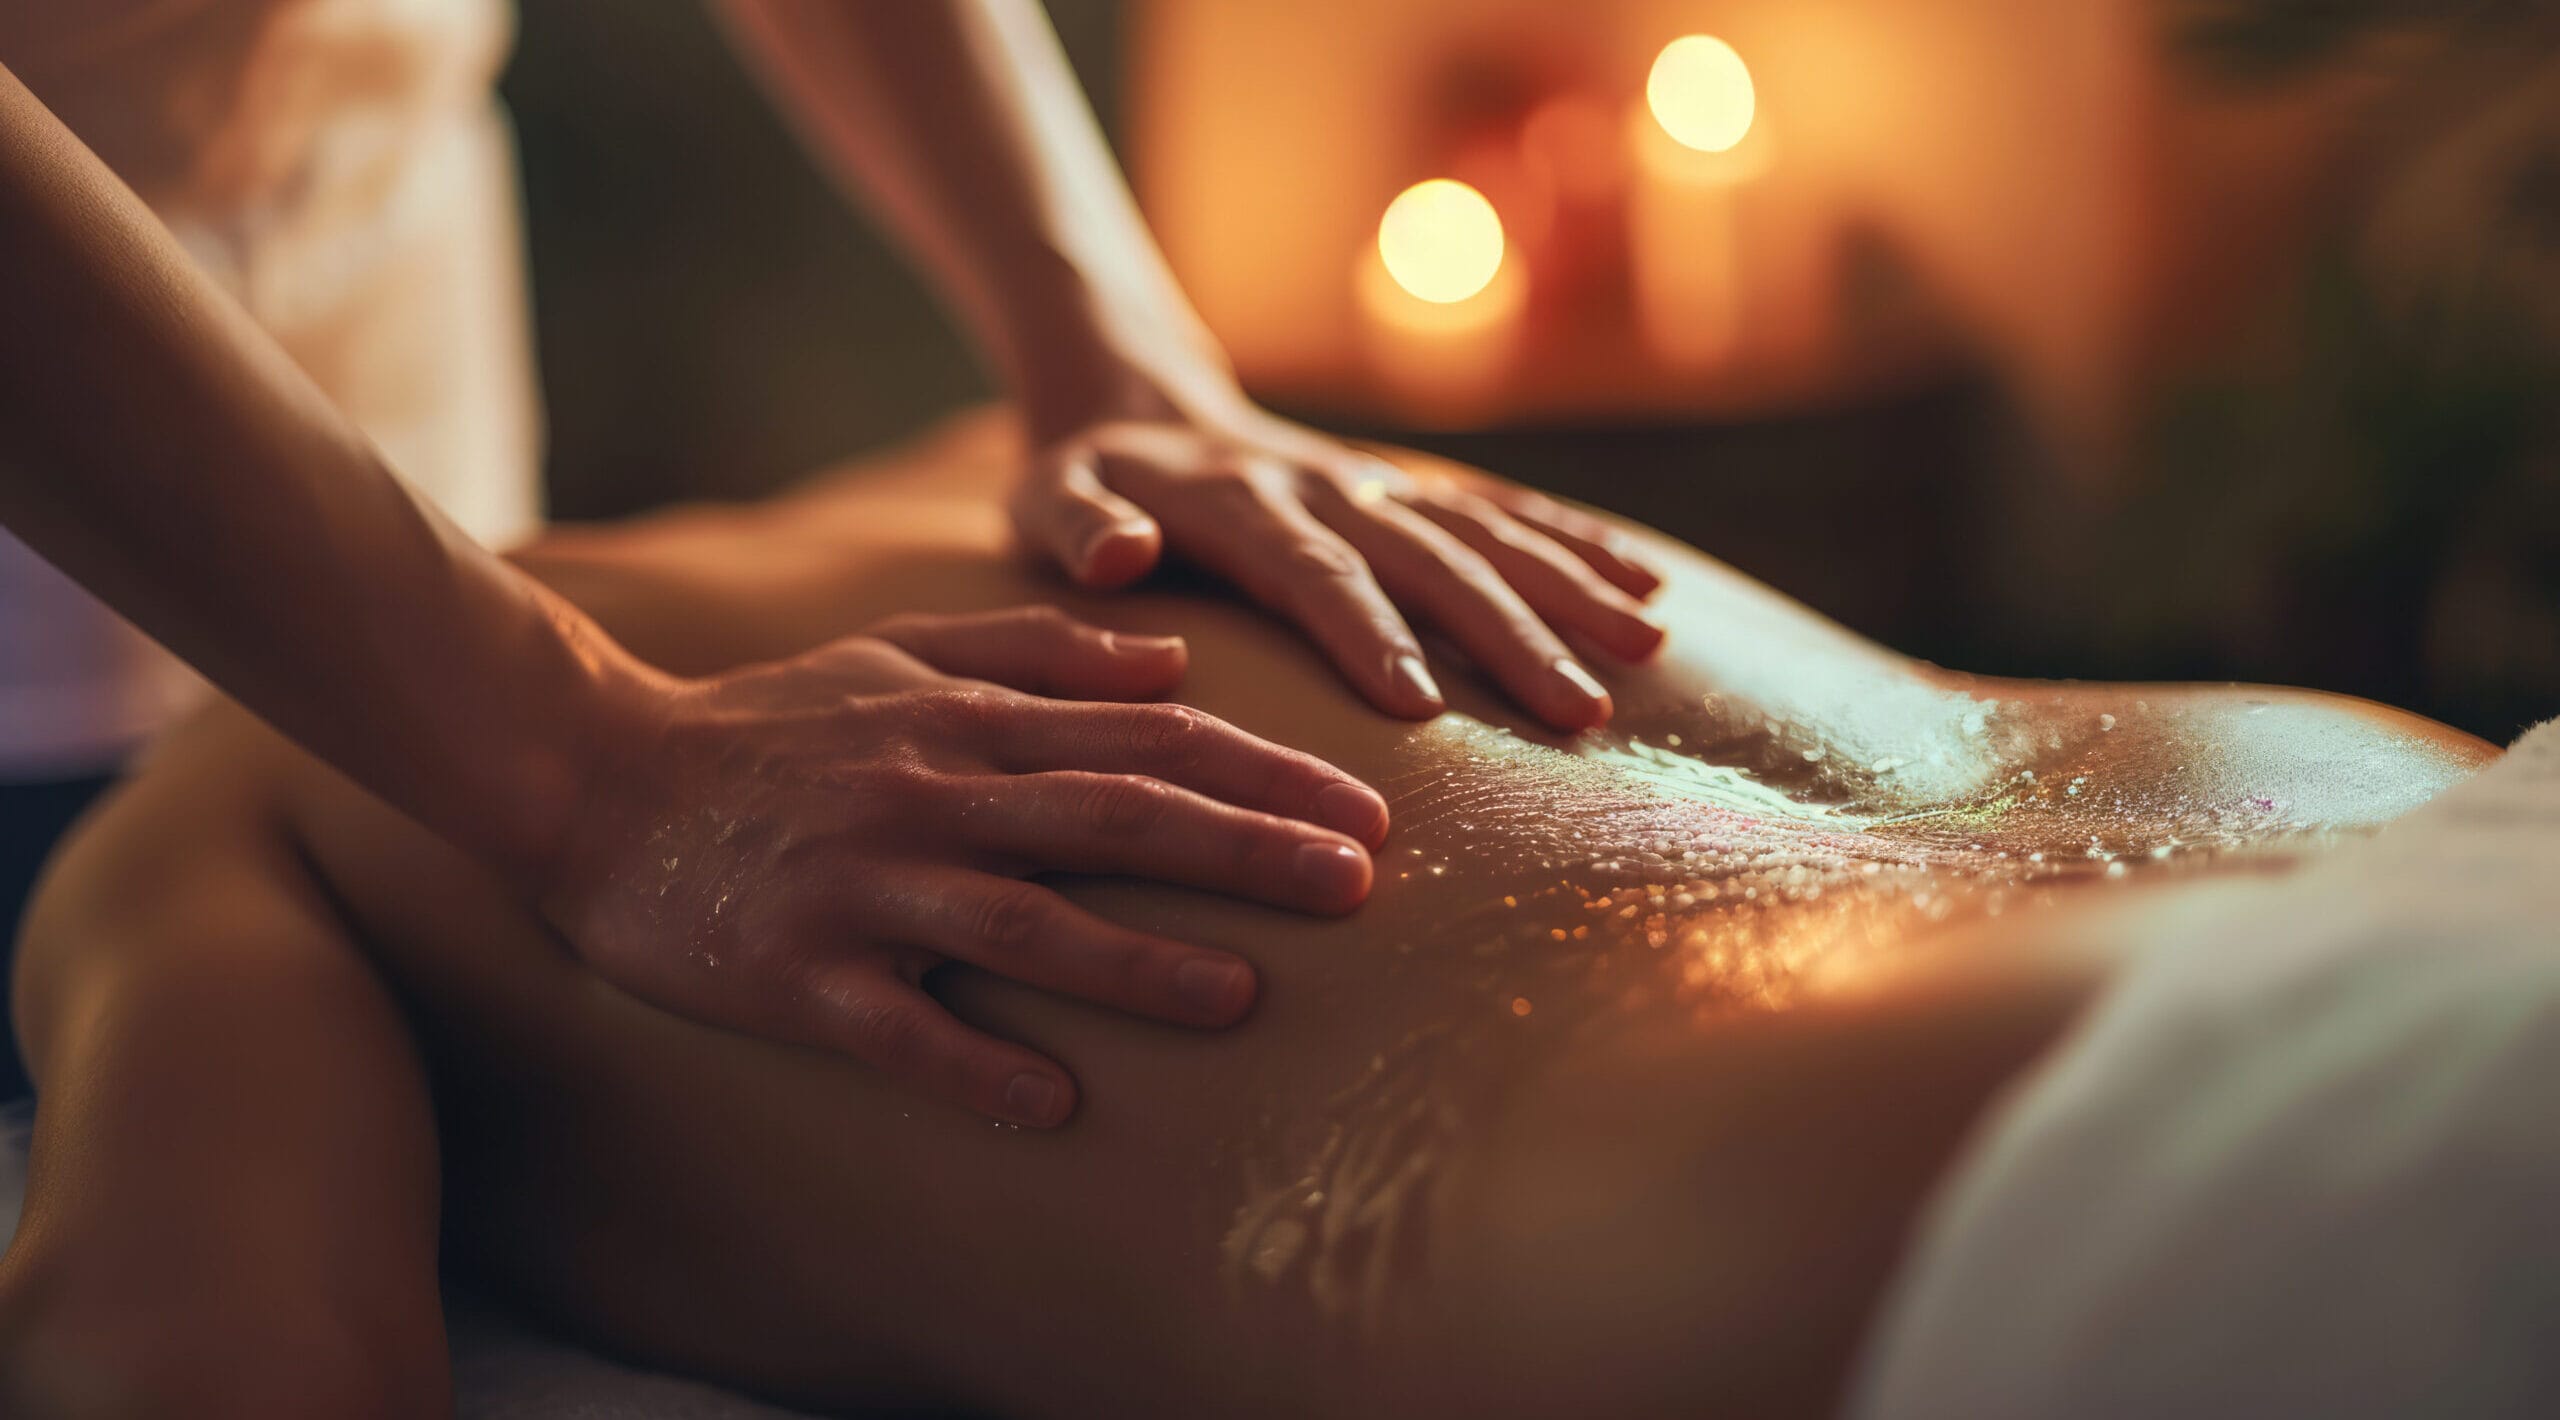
(157, 446)
(961, 123)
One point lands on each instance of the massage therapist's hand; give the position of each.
(962, 125)
(788, 849)
(1348, 546)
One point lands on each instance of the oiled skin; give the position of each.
(1484, 1148)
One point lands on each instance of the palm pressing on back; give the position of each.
(787, 849)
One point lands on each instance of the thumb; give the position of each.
(1099, 538)
(1042, 650)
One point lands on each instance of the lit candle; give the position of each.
(1692, 157)
(1441, 297)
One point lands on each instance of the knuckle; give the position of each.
(888, 1034)
(1231, 490)
(1525, 503)
(1252, 847)
(858, 662)
(1463, 561)
(1502, 529)
(958, 711)
(902, 776)
(1360, 482)
(1321, 559)
(1124, 969)
(905, 623)
(1045, 618)
(1012, 921)
(1123, 805)
(1172, 734)
(1054, 471)
(784, 1006)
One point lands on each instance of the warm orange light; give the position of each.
(1700, 92)
(1441, 240)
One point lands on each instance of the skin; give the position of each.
(962, 126)
(1489, 1146)
(617, 800)
(626, 805)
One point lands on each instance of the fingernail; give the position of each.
(1090, 549)
(1213, 988)
(1412, 676)
(1335, 873)
(1570, 671)
(1351, 809)
(1032, 1099)
(1123, 643)
(1647, 638)
(1094, 542)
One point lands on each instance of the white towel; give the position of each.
(2302, 1159)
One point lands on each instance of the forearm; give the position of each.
(161, 449)
(961, 123)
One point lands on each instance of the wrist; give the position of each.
(1081, 356)
(1115, 385)
(611, 709)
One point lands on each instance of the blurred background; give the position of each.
(2125, 339)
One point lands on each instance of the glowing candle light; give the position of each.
(1700, 92)
(1441, 301)
(1700, 106)
(1441, 240)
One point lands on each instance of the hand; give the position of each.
(792, 847)
(1337, 541)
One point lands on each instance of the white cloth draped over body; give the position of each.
(2300, 1159)
(343, 169)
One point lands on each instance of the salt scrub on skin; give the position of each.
(1619, 882)
(1634, 880)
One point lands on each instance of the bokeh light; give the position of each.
(1700, 92)
(1441, 240)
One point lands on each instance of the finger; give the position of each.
(1029, 934)
(1196, 751)
(1561, 588)
(1101, 539)
(1266, 543)
(854, 1007)
(1042, 650)
(1457, 590)
(853, 665)
(1607, 550)
(1080, 822)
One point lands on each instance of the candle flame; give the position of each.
(1700, 92)
(1441, 240)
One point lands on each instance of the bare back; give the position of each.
(1617, 1096)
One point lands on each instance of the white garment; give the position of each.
(342, 167)
(2302, 1159)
